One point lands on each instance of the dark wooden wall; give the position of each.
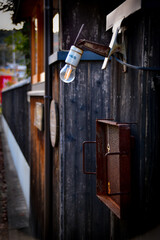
(92, 13)
(81, 103)
(130, 97)
(77, 212)
(134, 99)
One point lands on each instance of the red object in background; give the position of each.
(5, 81)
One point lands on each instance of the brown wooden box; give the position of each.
(113, 143)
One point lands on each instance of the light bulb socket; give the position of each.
(74, 56)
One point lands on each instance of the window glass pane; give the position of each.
(56, 32)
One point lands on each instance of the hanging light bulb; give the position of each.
(67, 73)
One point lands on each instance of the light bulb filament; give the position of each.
(68, 73)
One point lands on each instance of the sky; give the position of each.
(6, 22)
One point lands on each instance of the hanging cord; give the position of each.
(137, 67)
(78, 34)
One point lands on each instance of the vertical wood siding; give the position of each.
(134, 98)
(37, 174)
(82, 102)
(125, 97)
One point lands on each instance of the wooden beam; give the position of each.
(123, 11)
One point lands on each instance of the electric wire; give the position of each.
(136, 67)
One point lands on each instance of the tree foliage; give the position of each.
(7, 5)
(21, 41)
(20, 38)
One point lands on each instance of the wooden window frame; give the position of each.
(39, 14)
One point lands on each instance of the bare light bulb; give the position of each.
(67, 73)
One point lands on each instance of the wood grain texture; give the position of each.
(37, 173)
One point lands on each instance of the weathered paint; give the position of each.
(125, 97)
(81, 102)
(133, 99)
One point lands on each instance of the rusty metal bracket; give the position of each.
(118, 193)
(97, 48)
(84, 170)
(115, 153)
(106, 51)
(108, 190)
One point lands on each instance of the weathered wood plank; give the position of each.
(37, 173)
